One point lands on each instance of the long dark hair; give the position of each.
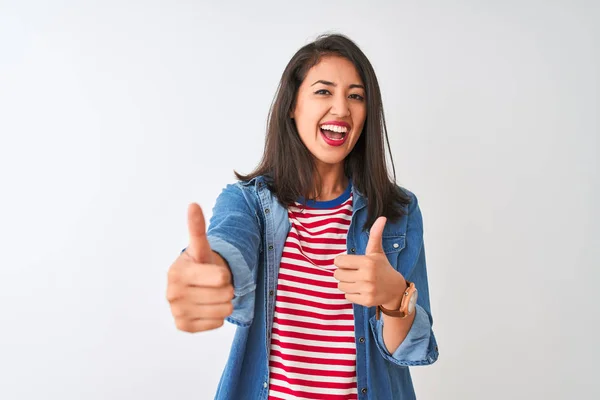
(290, 165)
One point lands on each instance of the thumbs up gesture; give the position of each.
(199, 287)
(370, 280)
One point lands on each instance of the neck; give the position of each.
(333, 182)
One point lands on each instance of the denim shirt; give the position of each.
(248, 228)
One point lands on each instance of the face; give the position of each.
(330, 110)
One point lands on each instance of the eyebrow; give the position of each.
(327, 83)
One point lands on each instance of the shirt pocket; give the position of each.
(392, 246)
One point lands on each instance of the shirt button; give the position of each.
(267, 211)
(353, 250)
(265, 385)
(270, 247)
(260, 184)
(362, 340)
(363, 390)
(396, 245)
(270, 293)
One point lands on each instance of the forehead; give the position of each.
(334, 69)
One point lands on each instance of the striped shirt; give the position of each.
(313, 351)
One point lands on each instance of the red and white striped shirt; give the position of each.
(313, 350)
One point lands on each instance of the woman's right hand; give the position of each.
(199, 287)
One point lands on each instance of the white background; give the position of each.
(114, 115)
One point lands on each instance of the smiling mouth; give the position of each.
(334, 132)
(334, 135)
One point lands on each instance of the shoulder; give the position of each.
(245, 185)
(239, 193)
(413, 216)
(247, 191)
(252, 184)
(413, 202)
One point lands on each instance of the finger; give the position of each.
(213, 311)
(198, 325)
(200, 275)
(375, 244)
(357, 299)
(187, 310)
(198, 248)
(208, 295)
(349, 287)
(346, 275)
(200, 295)
(347, 261)
(208, 275)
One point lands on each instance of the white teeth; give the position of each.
(335, 128)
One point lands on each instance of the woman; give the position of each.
(317, 256)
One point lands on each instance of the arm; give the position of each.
(395, 330)
(234, 236)
(405, 342)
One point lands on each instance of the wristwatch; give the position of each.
(407, 305)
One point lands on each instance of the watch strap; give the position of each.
(395, 313)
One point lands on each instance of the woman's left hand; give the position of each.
(370, 280)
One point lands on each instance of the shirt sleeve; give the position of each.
(420, 346)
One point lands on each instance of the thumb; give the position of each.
(375, 237)
(198, 248)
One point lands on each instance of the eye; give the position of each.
(354, 96)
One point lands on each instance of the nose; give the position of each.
(340, 106)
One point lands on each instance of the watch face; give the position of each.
(412, 302)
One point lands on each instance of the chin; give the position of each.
(329, 159)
